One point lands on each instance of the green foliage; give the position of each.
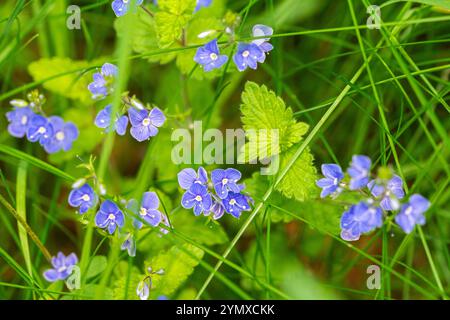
(171, 20)
(276, 133)
(96, 266)
(178, 263)
(72, 85)
(321, 215)
(300, 181)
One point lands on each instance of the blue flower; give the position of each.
(103, 81)
(330, 184)
(39, 129)
(260, 30)
(202, 3)
(145, 123)
(64, 133)
(103, 120)
(130, 245)
(225, 180)
(411, 213)
(143, 289)
(148, 210)
(235, 203)
(217, 209)
(121, 7)
(83, 197)
(109, 216)
(359, 171)
(19, 120)
(360, 218)
(389, 194)
(187, 177)
(248, 55)
(209, 56)
(197, 197)
(62, 267)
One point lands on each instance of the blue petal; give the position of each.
(150, 200)
(186, 178)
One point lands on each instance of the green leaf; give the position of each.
(96, 266)
(276, 128)
(300, 181)
(73, 85)
(144, 38)
(170, 21)
(178, 263)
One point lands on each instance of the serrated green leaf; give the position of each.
(178, 263)
(170, 21)
(125, 285)
(273, 123)
(300, 181)
(73, 85)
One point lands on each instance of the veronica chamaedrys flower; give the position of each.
(39, 129)
(235, 203)
(148, 210)
(109, 216)
(130, 245)
(333, 176)
(359, 171)
(217, 209)
(19, 120)
(389, 194)
(202, 3)
(187, 177)
(248, 55)
(197, 197)
(83, 197)
(145, 123)
(62, 267)
(225, 180)
(360, 218)
(64, 133)
(103, 119)
(121, 7)
(143, 289)
(103, 81)
(209, 56)
(260, 30)
(412, 212)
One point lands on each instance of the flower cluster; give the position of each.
(382, 194)
(28, 120)
(247, 54)
(145, 121)
(228, 195)
(62, 267)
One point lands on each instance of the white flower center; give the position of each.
(198, 198)
(143, 212)
(224, 181)
(86, 197)
(41, 130)
(246, 53)
(60, 136)
(213, 56)
(232, 202)
(112, 217)
(146, 122)
(62, 269)
(24, 120)
(408, 210)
